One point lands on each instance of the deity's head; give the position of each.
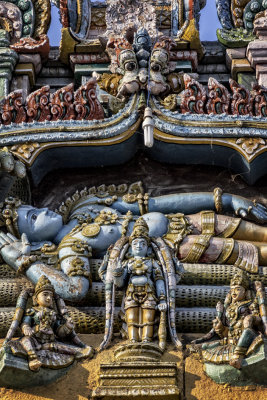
(239, 286)
(44, 293)
(139, 238)
(39, 224)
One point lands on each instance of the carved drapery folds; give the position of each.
(41, 105)
(195, 99)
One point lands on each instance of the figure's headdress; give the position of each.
(42, 285)
(240, 279)
(140, 230)
(9, 215)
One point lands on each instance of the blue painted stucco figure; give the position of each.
(92, 222)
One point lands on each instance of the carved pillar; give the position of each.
(257, 50)
(8, 59)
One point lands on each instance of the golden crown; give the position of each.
(140, 230)
(240, 279)
(42, 285)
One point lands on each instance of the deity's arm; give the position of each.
(63, 328)
(190, 203)
(120, 274)
(70, 288)
(16, 253)
(27, 323)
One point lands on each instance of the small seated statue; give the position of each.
(133, 266)
(240, 325)
(44, 326)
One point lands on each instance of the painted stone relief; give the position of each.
(136, 77)
(238, 335)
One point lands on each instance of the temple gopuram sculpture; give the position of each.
(44, 327)
(241, 326)
(133, 195)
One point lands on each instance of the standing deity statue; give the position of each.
(149, 285)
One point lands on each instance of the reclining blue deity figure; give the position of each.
(93, 222)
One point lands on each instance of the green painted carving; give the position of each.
(26, 8)
(239, 37)
(8, 60)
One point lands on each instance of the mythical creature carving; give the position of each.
(95, 220)
(141, 66)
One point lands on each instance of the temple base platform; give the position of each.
(138, 380)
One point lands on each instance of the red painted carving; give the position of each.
(241, 103)
(30, 45)
(63, 10)
(62, 103)
(12, 109)
(259, 101)
(86, 103)
(193, 97)
(219, 98)
(37, 104)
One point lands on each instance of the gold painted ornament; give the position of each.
(91, 230)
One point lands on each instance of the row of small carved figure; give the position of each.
(41, 105)
(218, 100)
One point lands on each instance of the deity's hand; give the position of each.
(117, 272)
(27, 330)
(162, 306)
(9, 164)
(13, 250)
(250, 210)
(218, 326)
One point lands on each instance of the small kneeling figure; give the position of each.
(240, 324)
(44, 326)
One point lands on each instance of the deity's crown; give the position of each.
(140, 230)
(9, 215)
(42, 285)
(240, 279)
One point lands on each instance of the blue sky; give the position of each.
(208, 24)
